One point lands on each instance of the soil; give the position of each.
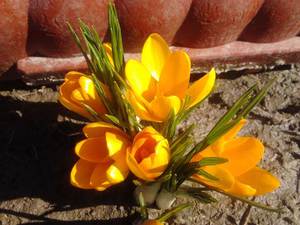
(38, 135)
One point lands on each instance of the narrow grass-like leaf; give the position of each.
(211, 161)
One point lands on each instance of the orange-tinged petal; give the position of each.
(243, 154)
(140, 79)
(98, 129)
(241, 189)
(152, 222)
(138, 104)
(98, 178)
(73, 75)
(92, 150)
(201, 88)
(118, 171)
(225, 178)
(115, 143)
(108, 49)
(161, 107)
(73, 107)
(81, 174)
(161, 157)
(261, 180)
(232, 133)
(208, 152)
(154, 54)
(88, 88)
(175, 75)
(135, 168)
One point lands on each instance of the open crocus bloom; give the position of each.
(160, 82)
(102, 155)
(79, 90)
(149, 155)
(240, 175)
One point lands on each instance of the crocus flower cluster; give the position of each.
(157, 86)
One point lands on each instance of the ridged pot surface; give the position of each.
(214, 22)
(275, 21)
(49, 35)
(13, 32)
(139, 18)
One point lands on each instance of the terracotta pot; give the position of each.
(49, 35)
(275, 21)
(139, 18)
(13, 32)
(214, 22)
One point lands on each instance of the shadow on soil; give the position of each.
(36, 156)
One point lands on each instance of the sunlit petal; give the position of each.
(154, 54)
(140, 79)
(175, 75)
(243, 153)
(162, 106)
(99, 129)
(261, 180)
(201, 88)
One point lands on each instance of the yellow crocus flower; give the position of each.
(160, 82)
(149, 155)
(239, 176)
(79, 90)
(102, 155)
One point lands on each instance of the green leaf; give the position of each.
(116, 38)
(172, 212)
(211, 161)
(207, 175)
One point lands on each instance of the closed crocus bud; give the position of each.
(165, 199)
(149, 155)
(102, 155)
(149, 192)
(77, 92)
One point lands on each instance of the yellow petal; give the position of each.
(154, 54)
(208, 152)
(232, 133)
(81, 174)
(118, 171)
(73, 107)
(88, 88)
(135, 168)
(140, 79)
(92, 150)
(115, 143)
(243, 154)
(138, 104)
(161, 107)
(99, 129)
(225, 178)
(240, 189)
(261, 180)
(201, 88)
(108, 49)
(175, 75)
(98, 178)
(73, 75)
(161, 157)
